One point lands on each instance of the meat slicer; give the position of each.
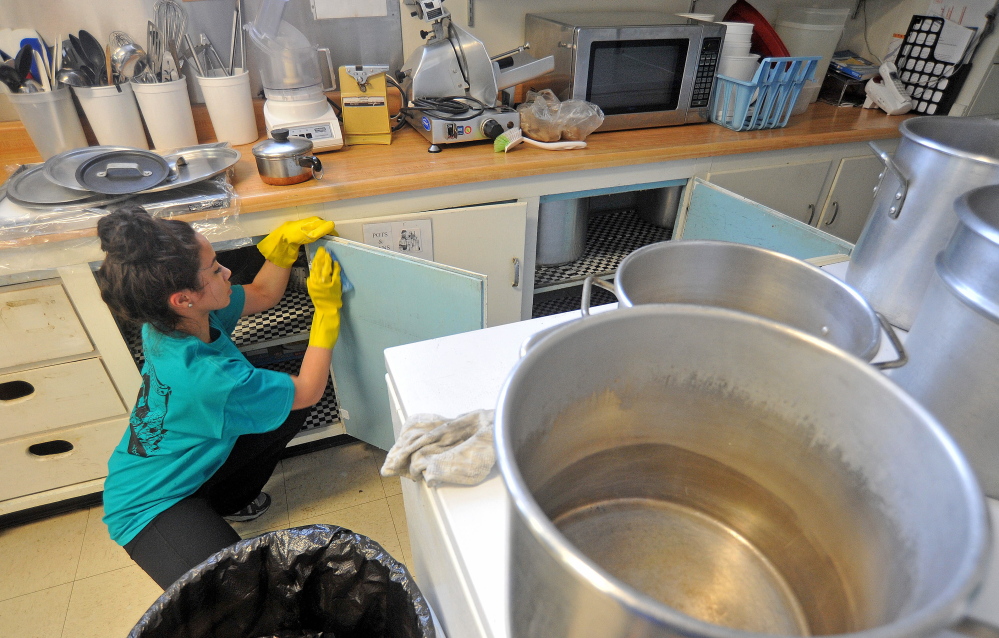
(451, 84)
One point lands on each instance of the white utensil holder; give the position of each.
(230, 105)
(166, 109)
(113, 115)
(50, 119)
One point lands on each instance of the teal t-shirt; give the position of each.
(196, 399)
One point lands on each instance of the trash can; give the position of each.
(313, 581)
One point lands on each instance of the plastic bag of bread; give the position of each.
(544, 118)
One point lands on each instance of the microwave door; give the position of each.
(637, 78)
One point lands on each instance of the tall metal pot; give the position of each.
(937, 160)
(761, 282)
(954, 341)
(679, 470)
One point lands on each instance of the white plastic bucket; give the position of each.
(113, 115)
(230, 106)
(812, 31)
(50, 119)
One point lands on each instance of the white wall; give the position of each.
(498, 23)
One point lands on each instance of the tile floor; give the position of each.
(63, 577)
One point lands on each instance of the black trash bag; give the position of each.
(318, 581)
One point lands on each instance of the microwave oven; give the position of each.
(643, 69)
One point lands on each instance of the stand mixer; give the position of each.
(451, 83)
(292, 82)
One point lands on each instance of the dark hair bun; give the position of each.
(128, 234)
(148, 259)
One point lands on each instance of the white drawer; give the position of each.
(51, 397)
(47, 461)
(37, 322)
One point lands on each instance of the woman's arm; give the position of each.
(280, 249)
(267, 288)
(310, 382)
(325, 290)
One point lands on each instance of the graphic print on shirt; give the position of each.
(146, 422)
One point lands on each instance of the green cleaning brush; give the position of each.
(515, 136)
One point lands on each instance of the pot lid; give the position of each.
(61, 169)
(30, 188)
(121, 172)
(282, 146)
(197, 163)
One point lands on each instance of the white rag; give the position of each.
(441, 450)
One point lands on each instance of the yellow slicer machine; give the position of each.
(365, 107)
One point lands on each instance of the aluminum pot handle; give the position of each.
(588, 284)
(541, 335)
(903, 181)
(311, 161)
(903, 357)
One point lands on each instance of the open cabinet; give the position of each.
(391, 300)
(715, 213)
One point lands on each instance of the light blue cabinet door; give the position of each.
(395, 300)
(715, 213)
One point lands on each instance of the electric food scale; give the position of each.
(292, 82)
(451, 83)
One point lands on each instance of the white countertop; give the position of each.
(465, 372)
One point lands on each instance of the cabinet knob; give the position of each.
(516, 272)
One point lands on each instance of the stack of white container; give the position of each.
(736, 61)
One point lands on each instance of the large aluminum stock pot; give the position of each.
(761, 282)
(938, 159)
(680, 470)
(954, 339)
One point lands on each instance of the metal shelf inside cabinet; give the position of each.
(610, 237)
(291, 317)
(289, 320)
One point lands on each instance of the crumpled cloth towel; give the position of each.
(441, 450)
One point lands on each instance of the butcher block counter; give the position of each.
(405, 165)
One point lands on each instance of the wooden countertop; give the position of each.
(405, 165)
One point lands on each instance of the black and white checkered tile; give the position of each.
(292, 316)
(568, 299)
(133, 339)
(325, 412)
(610, 237)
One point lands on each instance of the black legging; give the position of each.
(193, 529)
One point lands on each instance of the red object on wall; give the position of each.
(765, 40)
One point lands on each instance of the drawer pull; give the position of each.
(51, 448)
(13, 390)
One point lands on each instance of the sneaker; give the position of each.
(251, 511)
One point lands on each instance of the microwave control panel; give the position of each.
(705, 72)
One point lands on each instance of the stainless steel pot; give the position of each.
(954, 341)
(754, 280)
(937, 160)
(681, 470)
(561, 230)
(284, 159)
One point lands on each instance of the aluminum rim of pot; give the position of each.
(282, 145)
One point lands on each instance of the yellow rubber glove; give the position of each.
(324, 288)
(281, 246)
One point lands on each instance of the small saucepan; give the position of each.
(286, 159)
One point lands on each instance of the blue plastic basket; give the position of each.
(766, 100)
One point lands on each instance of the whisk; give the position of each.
(171, 20)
